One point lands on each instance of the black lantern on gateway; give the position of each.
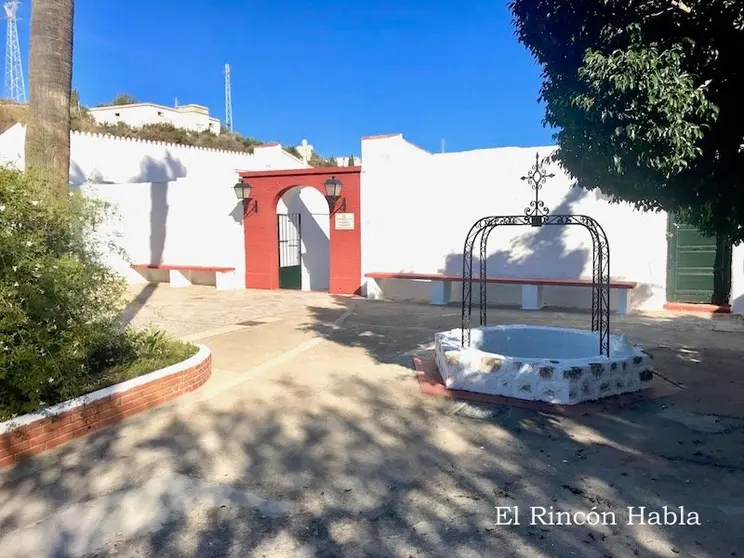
(243, 192)
(333, 194)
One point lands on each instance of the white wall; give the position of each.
(175, 204)
(182, 222)
(108, 159)
(315, 233)
(737, 280)
(419, 206)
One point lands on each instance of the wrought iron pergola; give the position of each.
(537, 215)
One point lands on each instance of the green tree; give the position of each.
(124, 99)
(646, 100)
(59, 299)
(50, 83)
(61, 329)
(352, 162)
(75, 100)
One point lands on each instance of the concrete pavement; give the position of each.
(312, 440)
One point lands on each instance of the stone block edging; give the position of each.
(34, 433)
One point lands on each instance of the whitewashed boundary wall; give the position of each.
(419, 206)
(104, 159)
(186, 222)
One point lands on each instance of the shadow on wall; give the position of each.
(165, 170)
(545, 250)
(77, 176)
(158, 221)
(316, 243)
(237, 212)
(542, 253)
(158, 173)
(151, 170)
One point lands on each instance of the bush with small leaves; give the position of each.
(61, 332)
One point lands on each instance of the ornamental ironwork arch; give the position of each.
(537, 215)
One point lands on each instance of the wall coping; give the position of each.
(10, 425)
(310, 171)
(382, 136)
(111, 137)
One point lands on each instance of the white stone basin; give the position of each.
(540, 363)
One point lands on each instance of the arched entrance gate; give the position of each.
(536, 215)
(262, 232)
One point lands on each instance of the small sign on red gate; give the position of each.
(344, 221)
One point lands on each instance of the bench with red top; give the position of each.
(441, 287)
(181, 275)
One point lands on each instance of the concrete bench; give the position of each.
(180, 275)
(441, 287)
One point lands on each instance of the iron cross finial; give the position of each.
(536, 178)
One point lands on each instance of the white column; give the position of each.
(226, 280)
(441, 292)
(178, 279)
(737, 280)
(623, 301)
(531, 297)
(372, 290)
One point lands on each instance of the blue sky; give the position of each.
(330, 71)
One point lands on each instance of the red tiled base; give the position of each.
(431, 383)
(690, 307)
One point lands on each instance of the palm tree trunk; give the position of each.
(50, 84)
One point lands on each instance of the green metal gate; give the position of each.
(290, 251)
(698, 267)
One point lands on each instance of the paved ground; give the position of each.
(312, 440)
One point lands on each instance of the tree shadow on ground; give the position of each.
(347, 459)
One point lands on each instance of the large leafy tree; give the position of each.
(50, 84)
(648, 100)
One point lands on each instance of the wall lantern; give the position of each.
(333, 194)
(243, 192)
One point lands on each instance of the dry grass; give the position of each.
(11, 113)
(82, 121)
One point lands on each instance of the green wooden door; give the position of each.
(290, 251)
(698, 267)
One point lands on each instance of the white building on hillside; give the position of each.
(189, 117)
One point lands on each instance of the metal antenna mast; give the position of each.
(228, 99)
(15, 87)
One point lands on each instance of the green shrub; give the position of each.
(133, 354)
(60, 305)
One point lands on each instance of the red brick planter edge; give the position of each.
(34, 433)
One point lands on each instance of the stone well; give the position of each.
(540, 363)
